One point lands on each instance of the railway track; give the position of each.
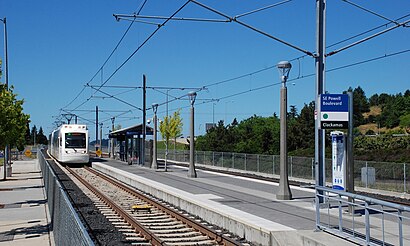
(143, 219)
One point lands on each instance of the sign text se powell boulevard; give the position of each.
(334, 111)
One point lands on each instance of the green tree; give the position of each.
(164, 128)
(301, 133)
(12, 119)
(405, 122)
(33, 135)
(175, 126)
(41, 138)
(27, 135)
(360, 106)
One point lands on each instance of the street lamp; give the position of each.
(191, 171)
(101, 136)
(154, 153)
(284, 192)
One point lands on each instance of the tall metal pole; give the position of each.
(213, 114)
(112, 139)
(154, 152)
(320, 89)
(284, 192)
(350, 161)
(6, 57)
(7, 159)
(166, 136)
(191, 171)
(101, 126)
(144, 118)
(96, 128)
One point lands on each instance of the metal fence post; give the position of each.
(273, 164)
(291, 166)
(222, 159)
(213, 158)
(233, 160)
(245, 162)
(367, 175)
(313, 169)
(257, 163)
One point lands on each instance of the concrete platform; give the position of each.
(23, 206)
(244, 206)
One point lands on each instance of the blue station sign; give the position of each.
(334, 111)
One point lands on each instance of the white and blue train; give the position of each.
(69, 144)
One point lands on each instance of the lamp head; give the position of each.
(155, 107)
(284, 69)
(192, 97)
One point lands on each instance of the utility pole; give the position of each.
(96, 128)
(349, 156)
(144, 118)
(112, 139)
(101, 126)
(191, 170)
(154, 164)
(7, 154)
(6, 57)
(320, 89)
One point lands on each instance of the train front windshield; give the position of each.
(75, 140)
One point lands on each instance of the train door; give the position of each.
(60, 146)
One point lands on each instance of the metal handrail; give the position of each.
(356, 200)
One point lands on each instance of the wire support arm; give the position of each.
(129, 17)
(116, 98)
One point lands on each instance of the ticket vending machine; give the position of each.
(338, 160)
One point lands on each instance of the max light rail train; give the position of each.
(69, 144)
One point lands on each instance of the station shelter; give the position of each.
(129, 143)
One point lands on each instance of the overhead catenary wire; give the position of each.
(300, 77)
(98, 89)
(367, 38)
(116, 98)
(139, 47)
(108, 58)
(370, 11)
(261, 9)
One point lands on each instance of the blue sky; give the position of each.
(56, 47)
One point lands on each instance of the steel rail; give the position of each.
(152, 238)
(218, 237)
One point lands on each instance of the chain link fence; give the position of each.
(65, 223)
(387, 176)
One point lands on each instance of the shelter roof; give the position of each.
(130, 131)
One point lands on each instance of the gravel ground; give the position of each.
(100, 229)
